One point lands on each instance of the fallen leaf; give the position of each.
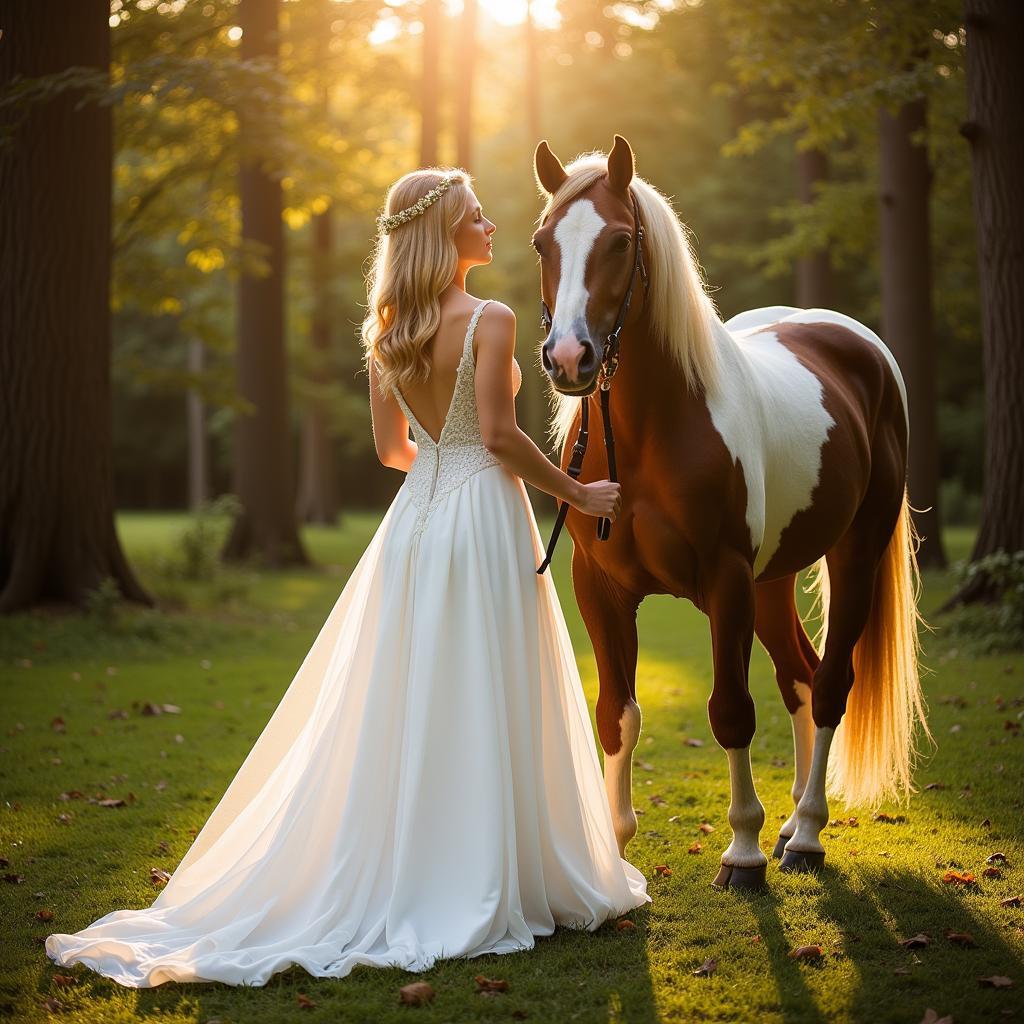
(416, 994)
(707, 968)
(624, 925)
(304, 1001)
(658, 801)
(935, 785)
(693, 742)
(918, 941)
(64, 980)
(931, 1017)
(1010, 901)
(159, 875)
(706, 828)
(662, 869)
(959, 878)
(997, 858)
(14, 879)
(965, 939)
(996, 981)
(44, 915)
(111, 802)
(695, 847)
(57, 724)
(890, 819)
(484, 984)
(807, 953)
(992, 873)
(53, 1004)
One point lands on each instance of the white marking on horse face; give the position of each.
(575, 233)
(773, 420)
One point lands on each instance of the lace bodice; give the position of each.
(459, 452)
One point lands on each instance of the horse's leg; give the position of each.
(609, 613)
(729, 603)
(852, 564)
(780, 630)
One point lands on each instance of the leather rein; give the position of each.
(609, 364)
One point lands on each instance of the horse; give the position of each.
(747, 452)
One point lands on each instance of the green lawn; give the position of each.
(224, 654)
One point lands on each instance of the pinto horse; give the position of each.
(747, 452)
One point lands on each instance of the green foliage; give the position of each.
(196, 556)
(997, 625)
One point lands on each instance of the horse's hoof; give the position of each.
(802, 861)
(780, 846)
(732, 877)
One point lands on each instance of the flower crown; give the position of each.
(387, 224)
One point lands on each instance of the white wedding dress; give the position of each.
(428, 786)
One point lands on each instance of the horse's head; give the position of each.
(588, 256)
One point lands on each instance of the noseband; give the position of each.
(609, 364)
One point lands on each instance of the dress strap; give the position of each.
(467, 347)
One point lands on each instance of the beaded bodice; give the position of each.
(459, 453)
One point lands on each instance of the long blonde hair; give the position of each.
(682, 314)
(410, 268)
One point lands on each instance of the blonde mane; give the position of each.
(681, 312)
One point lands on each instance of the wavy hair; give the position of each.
(410, 267)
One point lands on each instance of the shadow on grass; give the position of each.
(875, 910)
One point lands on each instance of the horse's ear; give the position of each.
(620, 165)
(548, 168)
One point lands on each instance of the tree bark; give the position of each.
(265, 529)
(58, 539)
(318, 477)
(466, 69)
(995, 99)
(430, 92)
(198, 463)
(813, 270)
(318, 486)
(907, 305)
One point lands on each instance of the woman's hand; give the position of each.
(600, 498)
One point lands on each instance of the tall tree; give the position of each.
(318, 478)
(266, 527)
(57, 533)
(430, 91)
(465, 73)
(813, 269)
(995, 99)
(906, 280)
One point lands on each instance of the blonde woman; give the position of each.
(428, 786)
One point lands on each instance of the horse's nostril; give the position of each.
(545, 358)
(588, 361)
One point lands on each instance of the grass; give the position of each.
(229, 649)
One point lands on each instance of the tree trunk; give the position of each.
(430, 92)
(57, 534)
(995, 99)
(198, 463)
(813, 270)
(905, 179)
(265, 529)
(466, 67)
(318, 477)
(318, 486)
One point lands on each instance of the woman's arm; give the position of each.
(496, 342)
(390, 427)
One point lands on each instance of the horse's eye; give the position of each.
(622, 243)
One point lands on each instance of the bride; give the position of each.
(428, 786)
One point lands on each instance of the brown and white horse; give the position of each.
(747, 451)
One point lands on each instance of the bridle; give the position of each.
(609, 364)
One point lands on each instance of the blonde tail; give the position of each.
(875, 747)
